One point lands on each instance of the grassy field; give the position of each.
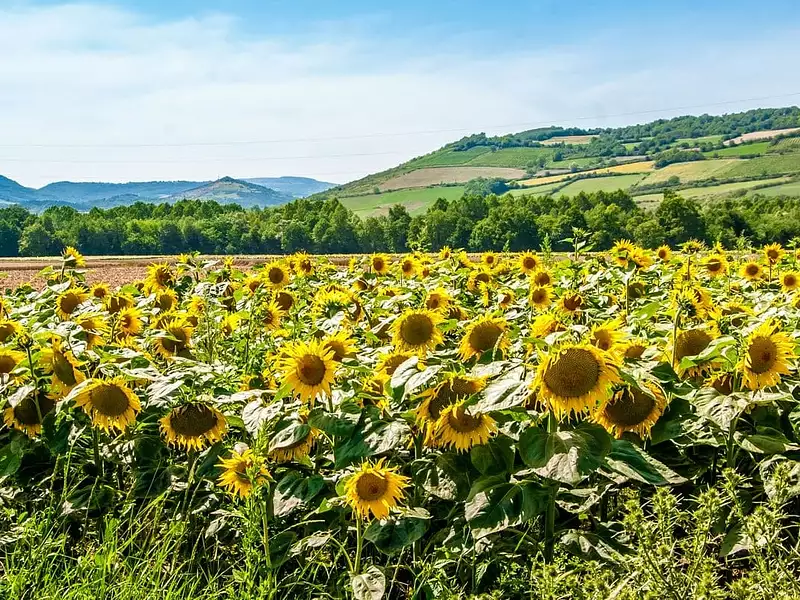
(513, 157)
(569, 139)
(786, 189)
(601, 184)
(741, 150)
(773, 164)
(448, 158)
(693, 171)
(443, 175)
(761, 135)
(634, 167)
(537, 190)
(416, 201)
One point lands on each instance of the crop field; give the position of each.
(772, 164)
(693, 171)
(761, 135)
(444, 175)
(569, 139)
(755, 148)
(786, 189)
(415, 200)
(716, 191)
(410, 426)
(601, 184)
(450, 158)
(631, 167)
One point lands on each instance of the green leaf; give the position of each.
(495, 457)
(765, 441)
(289, 435)
(404, 372)
(369, 585)
(420, 378)
(506, 392)
(632, 462)
(10, 458)
(592, 546)
(375, 437)
(255, 414)
(564, 456)
(279, 547)
(338, 424)
(720, 410)
(444, 477)
(294, 490)
(392, 535)
(495, 504)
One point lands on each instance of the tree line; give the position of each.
(476, 221)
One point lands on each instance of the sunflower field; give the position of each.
(593, 425)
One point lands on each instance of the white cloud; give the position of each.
(87, 74)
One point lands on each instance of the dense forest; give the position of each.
(475, 222)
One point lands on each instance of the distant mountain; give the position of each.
(298, 187)
(259, 191)
(234, 191)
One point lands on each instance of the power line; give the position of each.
(399, 134)
(196, 160)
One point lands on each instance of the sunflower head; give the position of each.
(409, 266)
(663, 253)
(790, 281)
(490, 259)
(773, 253)
(545, 324)
(341, 344)
(8, 329)
(176, 339)
(110, 403)
(276, 275)
(389, 363)
(116, 302)
(528, 263)
(29, 413)
(438, 300)
(768, 354)
(375, 489)
(633, 408)
(193, 426)
(271, 315)
(690, 343)
(67, 302)
(9, 360)
(716, 265)
(308, 368)
(622, 252)
(693, 246)
(454, 388)
(100, 291)
(483, 335)
(304, 264)
(752, 271)
(241, 472)
(63, 366)
(458, 429)
(477, 279)
(445, 253)
(159, 276)
(417, 331)
(606, 336)
(72, 258)
(570, 302)
(540, 297)
(380, 263)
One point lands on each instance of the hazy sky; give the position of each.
(187, 89)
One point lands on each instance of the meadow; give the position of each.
(416, 200)
(618, 424)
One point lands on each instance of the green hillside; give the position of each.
(716, 155)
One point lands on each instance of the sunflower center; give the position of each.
(68, 303)
(339, 351)
(752, 270)
(484, 336)
(193, 420)
(772, 254)
(284, 300)
(7, 363)
(602, 339)
(275, 275)
(408, 266)
(573, 302)
(482, 277)
(542, 279)
(529, 262)
(27, 412)
(311, 369)
(723, 384)
(63, 369)
(391, 364)
(574, 373)
(714, 265)
(176, 345)
(109, 400)
(378, 264)
(629, 407)
(462, 422)
(538, 296)
(371, 487)
(790, 281)
(763, 353)
(416, 329)
(691, 343)
(6, 330)
(434, 302)
(634, 351)
(636, 290)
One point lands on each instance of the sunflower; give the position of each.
(478, 278)
(176, 339)
(308, 368)
(663, 253)
(570, 303)
(482, 335)
(752, 271)
(9, 359)
(634, 349)
(636, 290)
(454, 388)
(331, 301)
(716, 265)
(790, 281)
(693, 246)
(641, 258)
(284, 299)
(438, 300)
(72, 258)
(773, 253)
(271, 314)
(253, 283)
(458, 429)
(297, 450)
(409, 266)
(380, 263)
(723, 382)
(64, 367)
(374, 488)
(417, 331)
(110, 403)
(159, 277)
(506, 298)
(631, 408)
(341, 344)
(388, 363)
(276, 275)
(692, 342)
(229, 324)
(528, 263)
(575, 377)
(622, 251)
(490, 259)
(767, 356)
(28, 414)
(240, 472)
(68, 302)
(445, 253)
(100, 291)
(606, 336)
(8, 329)
(116, 302)
(543, 278)
(193, 426)
(736, 313)
(304, 264)
(544, 325)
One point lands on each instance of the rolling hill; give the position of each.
(732, 154)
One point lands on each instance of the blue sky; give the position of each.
(335, 90)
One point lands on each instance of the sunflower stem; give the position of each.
(359, 546)
(189, 481)
(731, 447)
(550, 516)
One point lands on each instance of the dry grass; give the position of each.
(760, 135)
(569, 139)
(439, 175)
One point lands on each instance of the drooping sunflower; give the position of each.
(193, 426)
(285, 300)
(308, 368)
(454, 388)
(540, 297)
(388, 364)
(768, 354)
(445, 253)
(641, 258)
(380, 263)
(28, 414)
(9, 359)
(456, 428)
(484, 334)
(716, 265)
(528, 263)
(100, 291)
(159, 277)
(438, 300)
(64, 367)
(545, 324)
(691, 342)
(622, 251)
(276, 275)
(752, 271)
(116, 302)
(129, 321)
(296, 450)
(693, 246)
(341, 344)
(607, 336)
(110, 403)
(304, 264)
(570, 302)
(636, 290)
(253, 283)
(72, 258)
(723, 382)
(8, 329)
(631, 408)
(664, 253)
(375, 489)
(229, 324)
(176, 339)
(409, 266)
(68, 302)
(417, 331)
(790, 281)
(506, 298)
(634, 349)
(575, 377)
(773, 253)
(271, 315)
(543, 278)
(166, 299)
(478, 278)
(241, 472)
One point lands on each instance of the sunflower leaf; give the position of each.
(564, 456)
(392, 535)
(369, 585)
(632, 462)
